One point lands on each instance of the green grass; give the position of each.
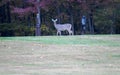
(104, 40)
(60, 55)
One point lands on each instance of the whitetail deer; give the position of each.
(63, 27)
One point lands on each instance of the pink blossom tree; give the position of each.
(34, 7)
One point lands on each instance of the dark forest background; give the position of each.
(102, 17)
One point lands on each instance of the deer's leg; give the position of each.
(58, 32)
(70, 32)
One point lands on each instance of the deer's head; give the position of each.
(54, 20)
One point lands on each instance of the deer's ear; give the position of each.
(55, 19)
(52, 19)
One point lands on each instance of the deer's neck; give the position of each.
(55, 24)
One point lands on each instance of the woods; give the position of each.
(102, 16)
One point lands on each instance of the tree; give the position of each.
(34, 7)
(5, 11)
(66, 11)
(89, 7)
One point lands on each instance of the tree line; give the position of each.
(102, 16)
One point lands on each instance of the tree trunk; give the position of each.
(113, 27)
(72, 22)
(91, 27)
(71, 17)
(8, 13)
(38, 21)
(28, 21)
(58, 12)
(3, 14)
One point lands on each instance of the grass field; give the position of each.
(60, 55)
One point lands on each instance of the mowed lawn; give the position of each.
(60, 55)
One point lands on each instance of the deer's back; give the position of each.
(63, 26)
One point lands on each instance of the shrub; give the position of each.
(13, 29)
